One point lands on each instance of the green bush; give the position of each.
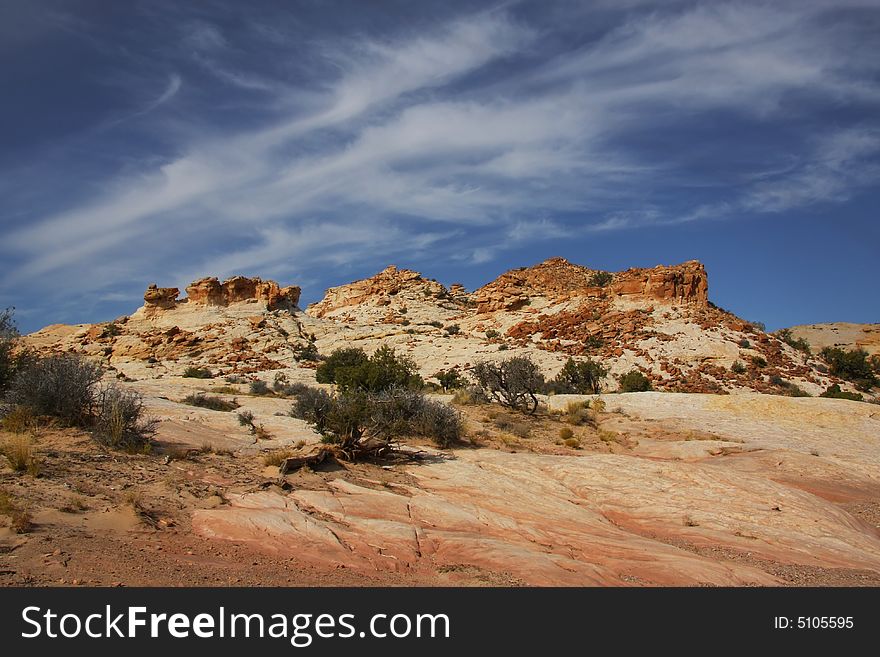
(834, 392)
(851, 365)
(759, 361)
(601, 278)
(210, 402)
(260, 388)
(359, 421)
(634, 381)
(797, 343)
(745, 344)
(491, 334)
(193, 372)
(514, 382)
(738, 368)
(453, 329)
(306, 351)
(449, 379)
(351, 369)
(579, 378)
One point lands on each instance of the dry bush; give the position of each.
(19, 518)
(518, 429)
(121, 421)
(19, 452)
(20, 419)
(74, 504)
(574, 443)
(276, 457)
(212, 403)
(64, 387)
(577, 413)
(566, 434)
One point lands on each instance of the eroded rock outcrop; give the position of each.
(377, 290)
(210, 291)
(557, 280)
(159, 298)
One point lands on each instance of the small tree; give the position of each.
(449, 379)
(339, 360)
(634, 381)
(9, 362)
(797, 343)
(351, 369)
(514, 382)
(581, 378)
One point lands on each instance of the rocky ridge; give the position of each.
(658, 320)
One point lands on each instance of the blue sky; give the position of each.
(316, 142)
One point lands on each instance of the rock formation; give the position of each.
(376, 290)
(210, 291)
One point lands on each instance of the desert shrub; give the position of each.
(19, 419)
(634, 381)
(503, 347)
(745, 344)
(453, 329)
(601, 278)
(758, 326)
(565, 433)
(851, 365)
(469, 396)
(351, 416)
(121, 421)
(353, 370)
(277, 456)
(791, 389)
(834, 392)
(210, 402)
(312, 405)
(573, 443)
(491, 334)
(235, 378)
(20, 520)
(436, 324)
(306, 351)
(577, 413)
(518, 429)
(759, 361)
(260, 387)
(10, 361)
(246, 419)
(339, 361)
(19, 452)
(64, 387)
(111, 330)
(514, 382)
(797, 343)
(738, 368)
(193, 372)
(449, 379)
(579, 378)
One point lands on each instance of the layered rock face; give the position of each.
(685, 283)
(210, 291)
(557, 280)
(376, 290)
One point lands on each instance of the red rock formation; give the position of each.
(684, 283)
(211, 292)
(557, 279)
(157, 299)
(377, 290)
